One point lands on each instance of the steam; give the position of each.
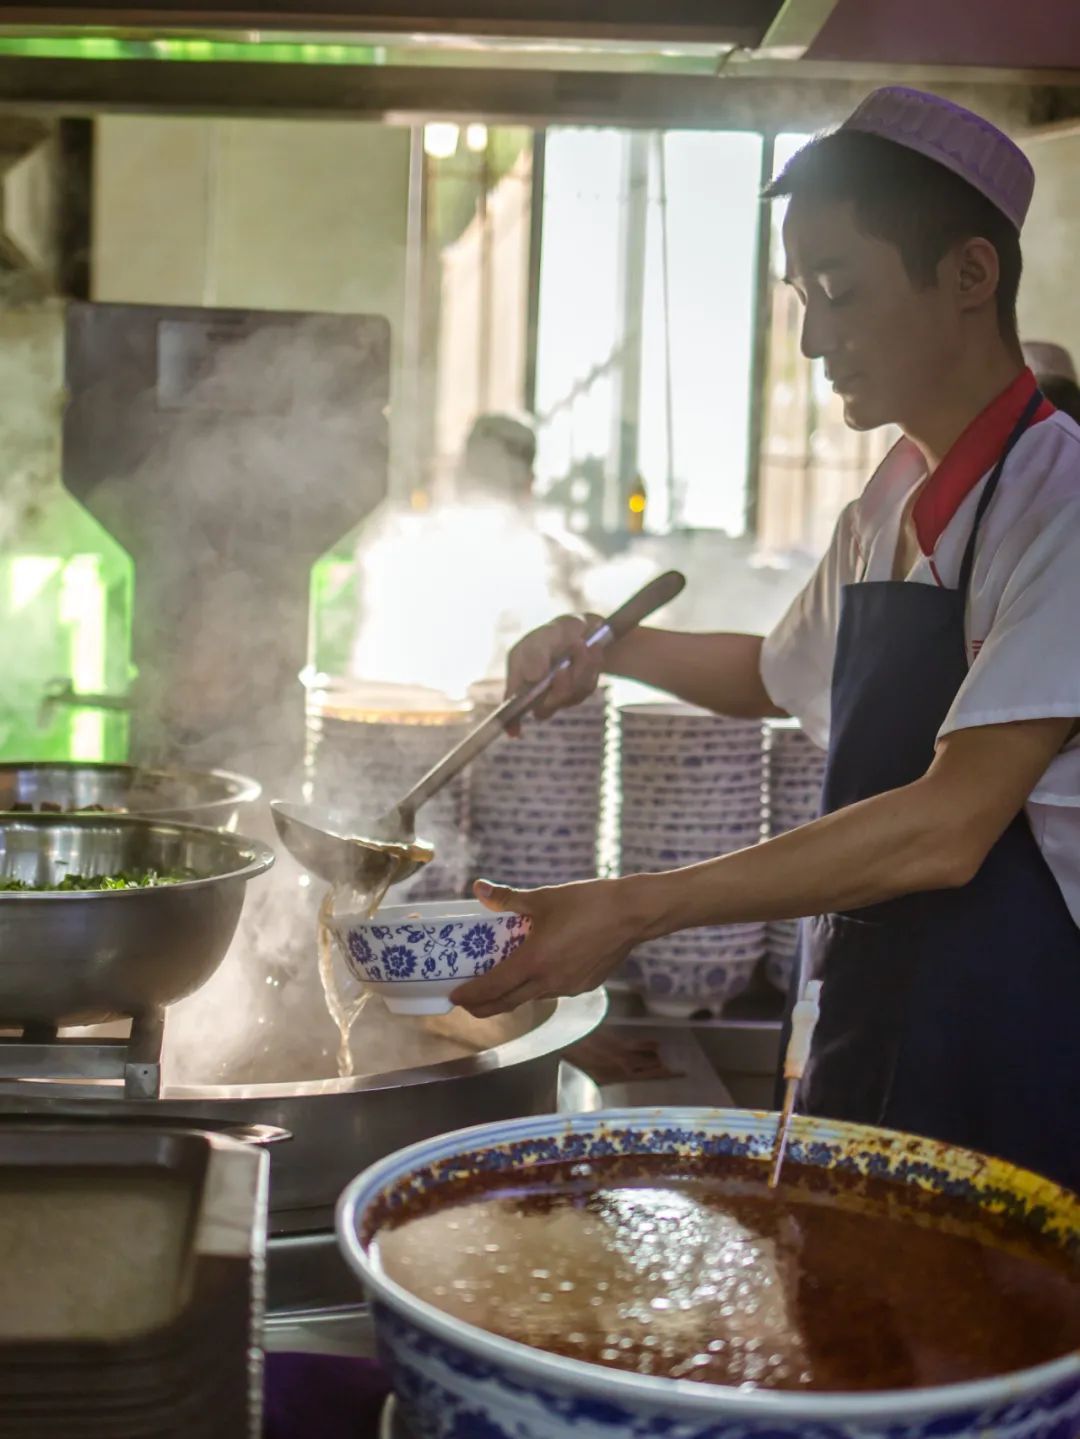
(446, 593)
(228, 477)
(227, 480)
(31, 381)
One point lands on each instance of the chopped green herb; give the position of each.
(126, 879)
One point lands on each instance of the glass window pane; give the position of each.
(698, 327)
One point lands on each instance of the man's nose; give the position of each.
(818, 331)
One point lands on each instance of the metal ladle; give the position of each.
(367, 857)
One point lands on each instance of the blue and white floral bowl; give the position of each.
(676, 983)
(455, 1381)
(415, 956)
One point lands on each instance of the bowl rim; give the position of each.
(682, 710)
(257, 857)
(762, 1404)
(428, 911)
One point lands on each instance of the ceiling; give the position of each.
(991, 33)
(695, 63)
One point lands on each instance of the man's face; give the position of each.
(887, 344)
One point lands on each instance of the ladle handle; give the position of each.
(647, 601)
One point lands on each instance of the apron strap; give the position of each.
(990, 489)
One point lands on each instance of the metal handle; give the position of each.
(647, 601)
(62, 692)
(258, 1135)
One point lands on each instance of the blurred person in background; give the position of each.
(498, 467)
(497, 563)
(1054, 369)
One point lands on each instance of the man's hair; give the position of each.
(909, 201)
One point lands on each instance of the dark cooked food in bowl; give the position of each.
(637, 1263)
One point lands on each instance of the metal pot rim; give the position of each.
(241, 789)
(257, 857)
(568, 1020)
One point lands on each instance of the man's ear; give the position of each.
(976, 273)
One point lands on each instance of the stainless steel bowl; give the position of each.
(210, 797)
(79, 957)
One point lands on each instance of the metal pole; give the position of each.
(674, 512)
(759, 351)
(628, 340)
(536, 242)
(407, 443)
(486, 306)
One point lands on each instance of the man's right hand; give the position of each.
(532, 657)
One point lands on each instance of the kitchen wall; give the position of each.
(258, 213)
(1049, 293)
(253, 213)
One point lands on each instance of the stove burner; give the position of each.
(38, 1053)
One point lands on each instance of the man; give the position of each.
(484, 548)
(497, 459)
(936, 651)
(497, 466)
(1054, 369)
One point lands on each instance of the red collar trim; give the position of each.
(975, 452)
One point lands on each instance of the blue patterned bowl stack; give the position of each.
(455, 1381)
(796, 769)
(415, 956)
(366, 757)
(534, 802)
(691, 787)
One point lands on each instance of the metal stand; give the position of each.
(39, 1054)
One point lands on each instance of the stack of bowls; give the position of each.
(691, 787)
(796, 774)
(534, 801)
(365, 751)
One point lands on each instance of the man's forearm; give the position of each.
(893, 844)
(719, 672)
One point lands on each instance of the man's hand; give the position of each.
(580, 934)
(531, 659)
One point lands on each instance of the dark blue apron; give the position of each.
(955, 1013)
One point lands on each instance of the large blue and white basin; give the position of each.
(456, 1381)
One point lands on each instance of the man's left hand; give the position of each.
(580, 934)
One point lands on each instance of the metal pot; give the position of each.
(80, 957)
(340, 1125)
(207, 797)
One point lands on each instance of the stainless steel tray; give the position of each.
(132, 1295)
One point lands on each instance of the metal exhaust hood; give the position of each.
(721, 23)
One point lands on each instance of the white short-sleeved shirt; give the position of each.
(1023, 615)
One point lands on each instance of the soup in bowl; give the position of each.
(630, 1274)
